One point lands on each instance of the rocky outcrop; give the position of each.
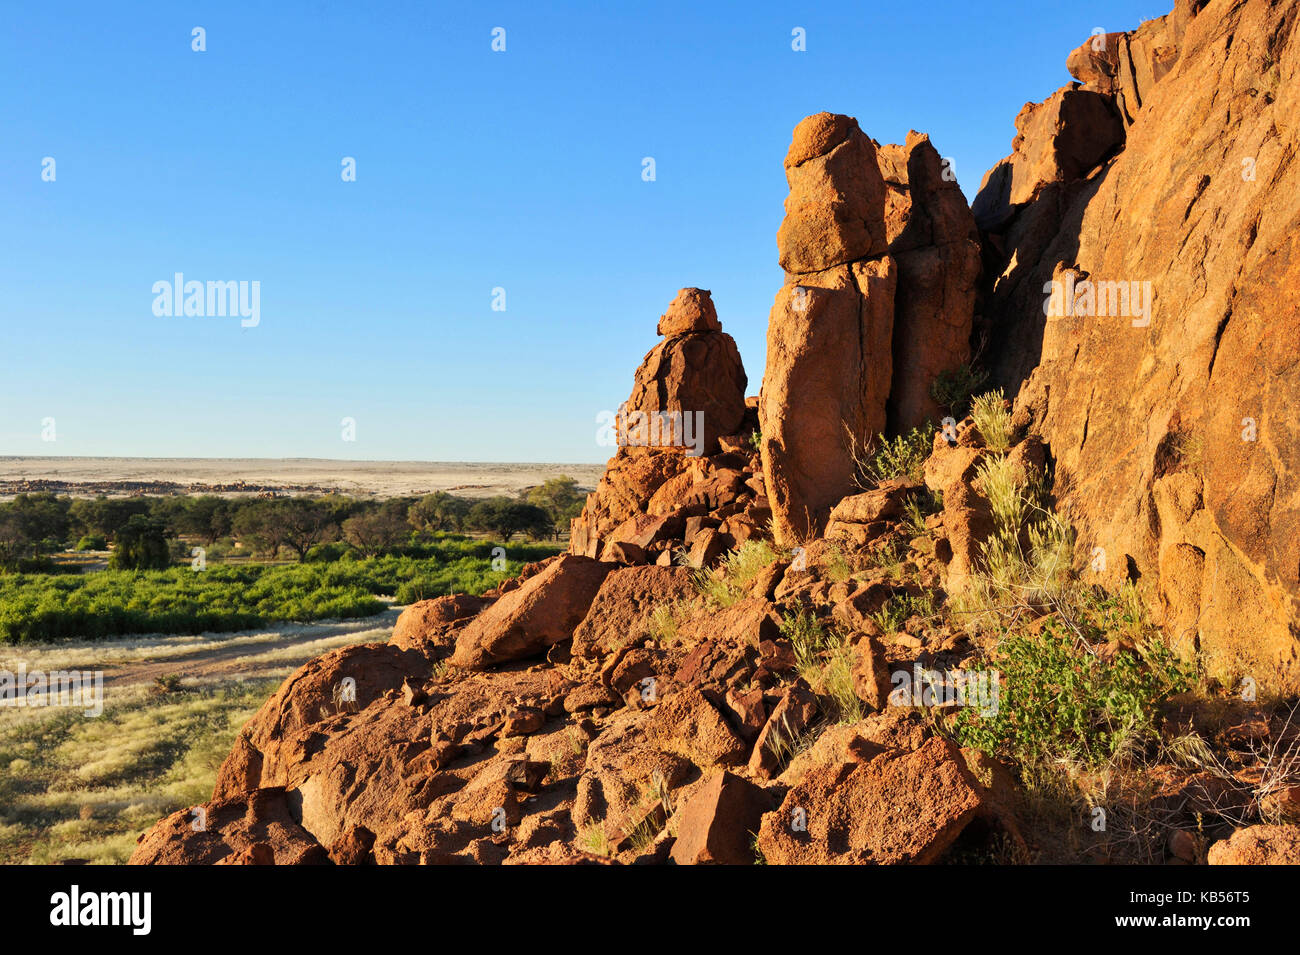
(1165, 378)
(690, 389)
(881, 265)
(827, 381)
(933, 238)
(1057, 141)
(255, 828)
(685, 463)
(612, 705)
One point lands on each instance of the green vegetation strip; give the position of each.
(179, 600)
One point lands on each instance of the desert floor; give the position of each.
(358, 478)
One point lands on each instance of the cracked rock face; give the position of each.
(1175, 434)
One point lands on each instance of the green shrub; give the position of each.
(953, 390)
(224, 597)
(1014, 578)
(899, 457)
(918, 507)
(92, 542)
(1059, 700)
(901, 608)
(327, 553)
(140, 544)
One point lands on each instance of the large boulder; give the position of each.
(717, 823)
(834, 213)
(622, 607)
(256, 827)
(691, 311)
(346, 680)
(1258, 845)
(540, 613)
(825, 387)
(933, 237)
(886, 808)
(882, 262)
(429, 625)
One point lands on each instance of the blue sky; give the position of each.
(475, 170)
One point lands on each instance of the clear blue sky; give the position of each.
(475, 170)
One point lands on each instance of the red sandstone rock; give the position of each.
(526, 621)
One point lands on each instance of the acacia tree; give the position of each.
(438, 511)
(302, 524)
(560, 498)
(140, 544)
(374, 532)
(206, 517)
(253, 524)
(505, 518)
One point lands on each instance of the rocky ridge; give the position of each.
(710, 675)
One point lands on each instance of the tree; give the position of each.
(438, 511)
(560, 498)
(253, 524)
(301, 524)
(206, 517)
(374, 532)
(43, 518)
(14, 542)
(103, 516)
(140, 544)
(505, 518)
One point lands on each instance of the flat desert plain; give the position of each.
(90, 476)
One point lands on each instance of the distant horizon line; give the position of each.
(157, 457)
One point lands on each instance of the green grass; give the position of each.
(735, 574)
(43, 607)
(901, 608)
(78, 788)
(825, 660)
(993, 420)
